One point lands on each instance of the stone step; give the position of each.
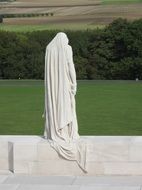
(106, 155)
(71, 168)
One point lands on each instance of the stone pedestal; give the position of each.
(106, 155)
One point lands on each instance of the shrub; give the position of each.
(114, 52)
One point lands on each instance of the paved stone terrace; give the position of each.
(24, 182)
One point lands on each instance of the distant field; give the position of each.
(30, 28)
(56, 2)
(73, 2)
(74, 14)
(103, 107)
(121, 1)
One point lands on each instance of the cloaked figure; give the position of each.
(61, 126)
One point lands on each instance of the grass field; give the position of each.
(103, 107)
(30, 28)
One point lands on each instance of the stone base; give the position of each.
(106, 155)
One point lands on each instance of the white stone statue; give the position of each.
(61, 126)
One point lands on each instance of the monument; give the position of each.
(61, 126)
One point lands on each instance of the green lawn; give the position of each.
(103, 107)
(30, 28)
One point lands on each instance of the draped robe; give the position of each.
(61, 126)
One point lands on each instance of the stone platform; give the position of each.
(106, 155)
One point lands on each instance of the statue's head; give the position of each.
(59, 40)
(62, 37)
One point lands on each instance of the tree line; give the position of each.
(21, 15)
(114, 52)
